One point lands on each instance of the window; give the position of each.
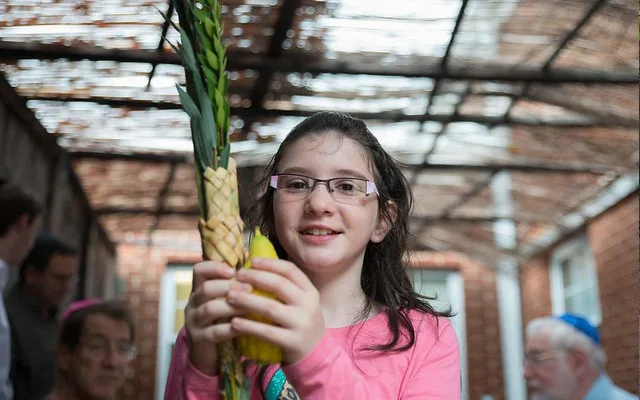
(449, 288)
(574, 283)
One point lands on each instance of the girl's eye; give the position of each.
(346, 186)
(296, 184)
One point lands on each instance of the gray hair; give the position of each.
(565, 336)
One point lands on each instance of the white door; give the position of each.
(449, 288)
(174, 294)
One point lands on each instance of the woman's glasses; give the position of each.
(344, 190)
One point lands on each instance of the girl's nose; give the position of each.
(320, 201)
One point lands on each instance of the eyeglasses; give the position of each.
(99, 348)
(536, 357)
(343, 190)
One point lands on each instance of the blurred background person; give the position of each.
(95, 351)
(47, 277)
(564, 360)
(19, 224)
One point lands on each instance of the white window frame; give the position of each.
(566, 251)
(455, 293)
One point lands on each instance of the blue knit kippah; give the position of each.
(582, 325)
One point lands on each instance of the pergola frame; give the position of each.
(275, 60)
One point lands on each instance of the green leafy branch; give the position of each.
(205, 100)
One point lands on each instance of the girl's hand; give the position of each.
(298, 319)
(207, 304)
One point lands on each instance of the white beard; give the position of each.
(565, 385)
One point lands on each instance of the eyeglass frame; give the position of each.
(371, 186)
(543, 356)
(105, 347)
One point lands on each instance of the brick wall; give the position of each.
(535, 289)
(484, 353)
(613, 238)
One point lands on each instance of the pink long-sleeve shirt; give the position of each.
(336, 369)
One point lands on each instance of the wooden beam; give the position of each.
(394, 116)
(240, 60)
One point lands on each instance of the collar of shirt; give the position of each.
(601, 388)
(4, 274)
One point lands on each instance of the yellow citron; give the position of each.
(252, 347)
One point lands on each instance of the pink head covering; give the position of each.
(79, 305)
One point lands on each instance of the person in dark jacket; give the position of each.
(47, 277)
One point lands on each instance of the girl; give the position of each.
(349, 322)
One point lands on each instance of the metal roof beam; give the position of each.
(261, 86)
(144, 157)
(393, 116)
(240, 60)
(445, 58)
(582, 168)
(573, 32)
(163, 38)
(546, 67)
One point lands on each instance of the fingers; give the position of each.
(216, 333)
(279, 336)
(251, 303)
(289, 341)
(212, 311)
(209, 303)
(278, 285)
(286, 269)
(207, 270)
(214, 289)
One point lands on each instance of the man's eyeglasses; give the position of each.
(99, 348)
(343, 190)
(536, 357)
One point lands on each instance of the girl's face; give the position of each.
(319, 234)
